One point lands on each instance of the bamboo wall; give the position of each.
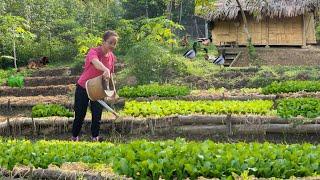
(296, 31)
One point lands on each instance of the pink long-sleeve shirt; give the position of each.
(90, 71)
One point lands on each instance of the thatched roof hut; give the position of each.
(271, 22)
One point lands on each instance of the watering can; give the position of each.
(98, 88)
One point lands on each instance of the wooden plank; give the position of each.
(310, 29)
(236, 59)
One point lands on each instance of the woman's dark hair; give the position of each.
(108, 34)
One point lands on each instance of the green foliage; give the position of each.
(6, 62)
(150, 62)
(57, 24)
(306, 107)
(6, 74)
(77, 65)
(127, 31)
(166, 90)
(142, 8)
(292, 86)
(13, 27)
(84, 43)
(200, 68)
(13, 31)
(42, 110)
(67, 29)
(173, 107)
(158, 29)
(171, 159)
(253, 58)
(16, 81)
(204, 7)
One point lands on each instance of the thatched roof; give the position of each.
(228, 9)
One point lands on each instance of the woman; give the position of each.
(99, 61)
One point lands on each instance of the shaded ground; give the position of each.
(283, 56)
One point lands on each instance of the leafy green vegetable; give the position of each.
(174, 107)
(42, 110)
(306, 107)
(166, 90)
(16, 81)
(171, 159)
(292, 86)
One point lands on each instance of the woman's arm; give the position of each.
(98, 65)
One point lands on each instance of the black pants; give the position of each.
(81, 101)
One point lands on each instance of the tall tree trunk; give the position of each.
(14, 53)
(180, 16)
(245, 22)
(169, 10)
(146, 6)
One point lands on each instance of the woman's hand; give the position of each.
(98, 65)
(106, 74)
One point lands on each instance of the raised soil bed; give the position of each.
(36, 91)
(186, 126)
(50, 80)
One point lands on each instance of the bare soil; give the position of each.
(283, 56)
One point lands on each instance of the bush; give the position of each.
(4, 74)
(306, 107)
(57, 50)
(42, 110)
(150, 62)
(16, 81)
(77, 66)
(292, 86)
(154, 90)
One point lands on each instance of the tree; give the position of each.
(144, 8)
(245, 23)
(13, 30)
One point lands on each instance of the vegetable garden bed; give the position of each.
(170, 159)
(36, 91)
(182, 125)
(51, 72)
(50, 81)
(66, 171)
(30, 101)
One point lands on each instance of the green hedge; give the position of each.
(291, 86)
(170, 159)
(174, 107)
(154, 90)
(42, 110)
(306, 107)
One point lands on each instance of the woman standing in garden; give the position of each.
(99, 61)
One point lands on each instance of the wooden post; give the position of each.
(34, 128)
(229, 125)
(304, 36)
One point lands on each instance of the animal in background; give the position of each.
(192, 52)
(38, 63)
(207, 57)
(184, 41)
(205, 41)
(221, 59)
